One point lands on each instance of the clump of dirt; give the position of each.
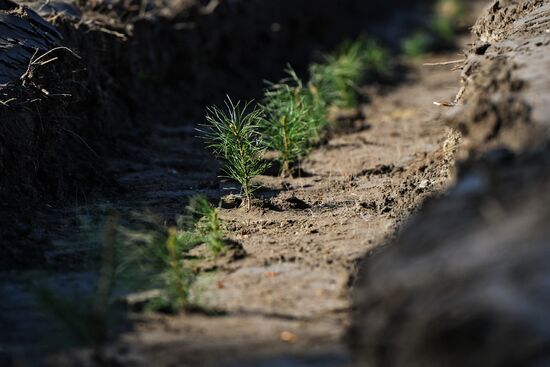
(462, 283)
(429, 175)
(500, 19)
(505, 97)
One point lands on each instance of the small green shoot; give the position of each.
(377, 60)
(207, 224)
(447, 19)
(319, 107)
(441, 31)
(154, 260)
(290, 122)
(234, 137)
(337, 78)
(178, 279)
(417, 45)
(143, 254)
(88, 319)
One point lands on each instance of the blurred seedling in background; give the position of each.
(377, 60)
(177, 279)
(337, 77)
(295, 117)
(89, 318)
(418, 45)
(207, 224)
(155, 256)
(151, 257)
(234, 137)
(449, 15)
(289, 122)
(441, 31)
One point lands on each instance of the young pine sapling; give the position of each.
(336, 79)
(289, 123)
(234, 137)
(207, 223)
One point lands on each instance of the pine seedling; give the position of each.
(234, 137)
(178, 279)
(144, 255)
(337, 78)
(319, 110)
(442, 30)
(376, 60)
(309, 99)
(158, 263)
(153, 258)
(417, 45)
(447, 18)
(289, 123)
(171, 275)
(88, 319)
(207, 223)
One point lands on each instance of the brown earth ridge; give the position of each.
(464, 282)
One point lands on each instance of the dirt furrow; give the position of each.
(288, 298)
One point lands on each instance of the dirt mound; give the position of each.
(23, 34)
(464, 282)
(505, 98)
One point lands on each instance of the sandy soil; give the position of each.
(288, 298)
(287, 301)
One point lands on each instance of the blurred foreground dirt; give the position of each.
(466, 282)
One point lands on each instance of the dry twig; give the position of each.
(444, 62)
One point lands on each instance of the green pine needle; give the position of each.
(378, 64)
(234, 137)
(207, 223)
(178, 278)
(290, 123)
(336, 79)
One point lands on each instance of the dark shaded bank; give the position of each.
(129, 65)
(466, 281)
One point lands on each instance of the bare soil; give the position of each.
(463, 284)
(341, 227)
(505, 100)
(288, 298)
(134, 67)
